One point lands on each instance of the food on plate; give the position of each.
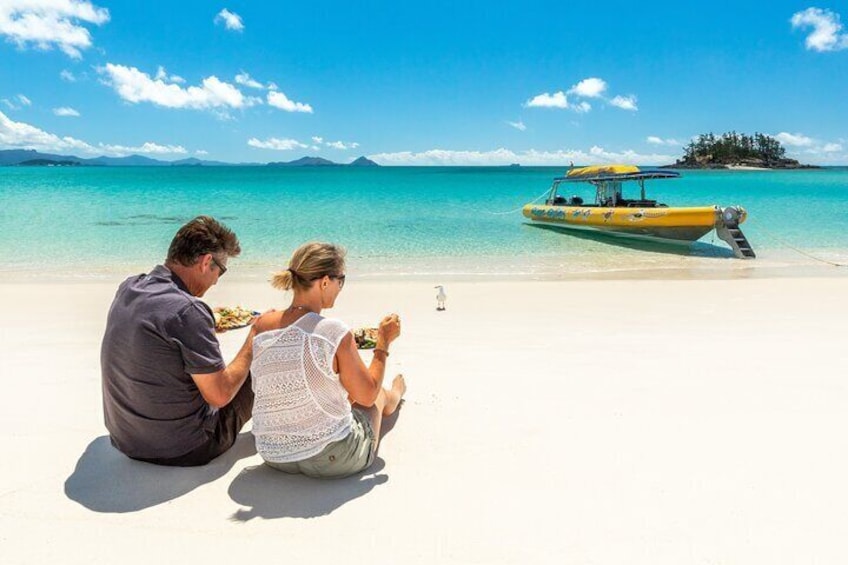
(227, 318)
(365, 338)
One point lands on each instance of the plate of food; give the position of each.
(365, 338)
(232, 318)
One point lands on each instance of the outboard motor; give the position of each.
(732, 216)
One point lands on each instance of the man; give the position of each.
(168, 396)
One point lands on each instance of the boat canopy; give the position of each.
(601, 173)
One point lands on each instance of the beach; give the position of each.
(644, 420)
(647, 369)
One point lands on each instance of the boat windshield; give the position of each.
(609, 187)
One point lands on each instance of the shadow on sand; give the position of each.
(106, 480)
(268, 493)
(696, 249)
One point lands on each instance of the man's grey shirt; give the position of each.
(157, 336)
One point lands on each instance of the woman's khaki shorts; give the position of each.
(342, 458)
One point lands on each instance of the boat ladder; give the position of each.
(727, 228)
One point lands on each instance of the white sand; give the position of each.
(655, 422)
(746, 168)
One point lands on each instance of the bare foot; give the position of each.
(394, 396)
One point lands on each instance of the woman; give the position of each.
(307, 371)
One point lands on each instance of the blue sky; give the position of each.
(429, 83)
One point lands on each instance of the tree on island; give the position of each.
(732, 148)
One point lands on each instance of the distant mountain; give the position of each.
(33, 158)
(48, 163)
(305, 162)
(128, 161)
(363, 162)
(194, 162)
(18, 156)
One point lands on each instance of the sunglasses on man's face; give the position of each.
(221, 268)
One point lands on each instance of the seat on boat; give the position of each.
(641, 203)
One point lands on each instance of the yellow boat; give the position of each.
(613, 214)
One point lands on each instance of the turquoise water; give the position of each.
(394, 221)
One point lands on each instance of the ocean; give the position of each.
(461, 222)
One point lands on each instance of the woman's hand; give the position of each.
(388, 331)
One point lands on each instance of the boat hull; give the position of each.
(677, 225)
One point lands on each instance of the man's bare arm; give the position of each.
(219, 388)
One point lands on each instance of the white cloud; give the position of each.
(589, 88)
(592, 88)
(279, 100)
(317, 139)
(827, 34)
(795, 140)
(519, 125)
(21, 135)
(811, 150)
(582, 107)
(244, 79)
(65, 111)
(19, 101)
(342, 145)
(441, 157)
(163, 76)
(624, 102)
(67, 76)
(45, 24)
(545, 100)
(148, 148)
(276, 144)
(654, 140)
(135, 86)
(231, 20)
(201, 152)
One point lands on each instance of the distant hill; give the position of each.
(18, 156)
(305, 162)
(48, 163)
(128, 161)
(194, 162)
(363, 162)
(33, 158)
(321, 162)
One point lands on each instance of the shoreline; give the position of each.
(650, 266)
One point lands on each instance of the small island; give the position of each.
(321, 162)
(736, 151)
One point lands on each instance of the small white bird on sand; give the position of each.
(440, 298)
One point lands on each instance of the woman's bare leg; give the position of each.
(387, 402)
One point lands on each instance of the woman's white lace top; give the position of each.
(300, 405)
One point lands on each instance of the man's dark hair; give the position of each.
(202, 235)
